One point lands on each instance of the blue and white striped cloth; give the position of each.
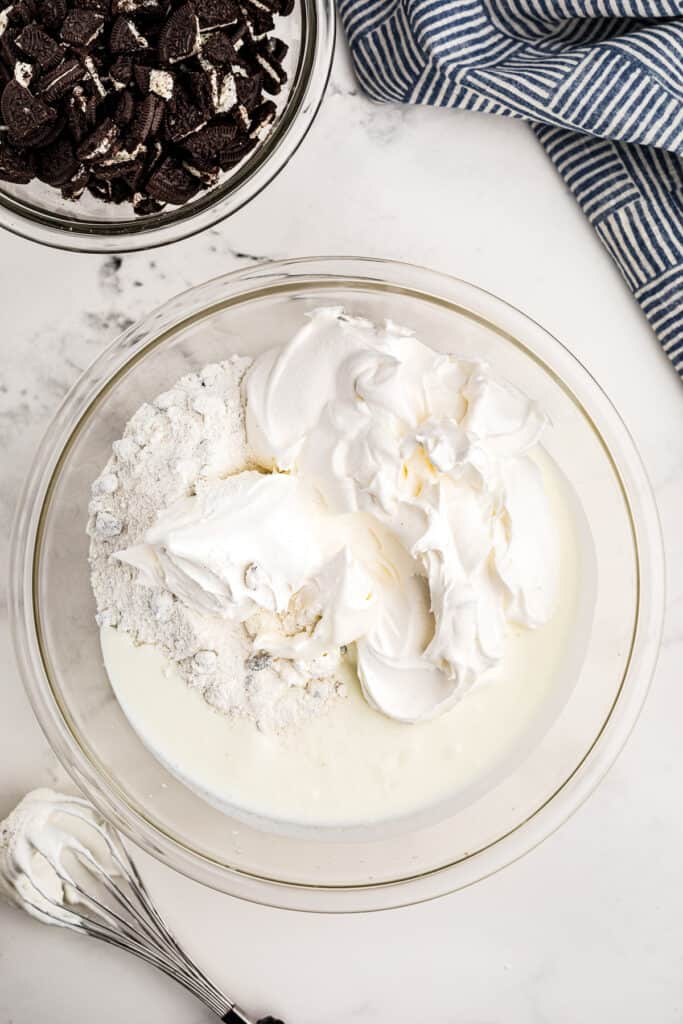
(600, 80)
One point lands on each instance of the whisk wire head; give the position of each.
(76, 873)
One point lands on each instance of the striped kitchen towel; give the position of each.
(600, 80)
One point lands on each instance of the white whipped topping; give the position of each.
(243, 542)
(399, 512)
(36, 841)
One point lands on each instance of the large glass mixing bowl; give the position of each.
(57, 641)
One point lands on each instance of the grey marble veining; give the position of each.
(589, 927)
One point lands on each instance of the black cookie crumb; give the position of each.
(257, 662)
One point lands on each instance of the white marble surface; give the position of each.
(589, 927)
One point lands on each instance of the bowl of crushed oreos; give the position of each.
(127, 124)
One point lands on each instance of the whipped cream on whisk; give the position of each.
(393, 512)
(36, 840)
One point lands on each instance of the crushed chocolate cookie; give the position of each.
(139, 101)
(172, 183)
(125, 37)
(57, 163)
(179, 38)
(25, 115)
(81, 28)
(40, 47)
(61, 80)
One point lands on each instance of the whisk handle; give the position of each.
(234, 1016)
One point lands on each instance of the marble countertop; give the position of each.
(587, 927)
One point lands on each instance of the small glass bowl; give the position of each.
(57, 642)
(38, 212)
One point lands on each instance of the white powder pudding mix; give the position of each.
(336, 585)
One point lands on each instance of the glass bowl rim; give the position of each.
(309, 84)
(422, 283)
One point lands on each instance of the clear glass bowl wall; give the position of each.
(58, 645)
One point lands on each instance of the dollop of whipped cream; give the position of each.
(36, 841)
(392, 512)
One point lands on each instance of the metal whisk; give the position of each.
(59, 877)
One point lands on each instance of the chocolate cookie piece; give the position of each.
(52, 13)
(237, 152)
(9, 52)
(119, 191)
(204, 87)
(43, 137)
(260, 19)
(25, 115)
(122, 164)
(218, 49)
(23, 13)
(99, 143)
(179, 37)
(75, 188)
(56, 164)
(274, 75)
(172, 183)
(153, 156)
(125, 109)
(15, 165)
(133, 178)
(81, 27)
(222, 145)
(277, 49)
(262, 120)
(40, 46)
(121, 72)
(249, 89)
(183, 117)
(140, 75)
(148, 117)
(57, 83)
(125, 37)
(144, 205)
(101, 6)
(239, 32)
(217, 13)
(204, 147)
(208, 178)
(100, 189)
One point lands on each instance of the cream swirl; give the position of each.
(397, 512)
